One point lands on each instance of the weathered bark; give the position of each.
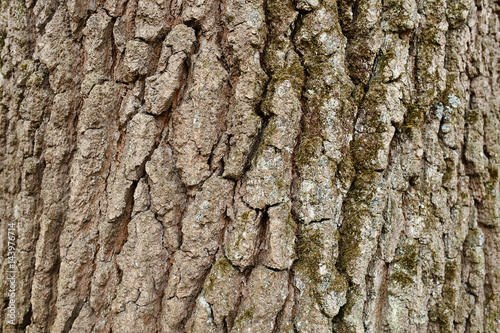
(251, 165)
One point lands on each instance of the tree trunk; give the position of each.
(250, 166)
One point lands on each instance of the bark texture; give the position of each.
(251, 165)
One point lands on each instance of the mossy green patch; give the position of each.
(245, 216)
(430, 35)
(221, 270)
(245, 316)
(279, 14)
(268, 134)
(464, 196)
(330, 5)
(312, 256)
(398, 16)
(402, 278)
(492, 312)
(450, 171)
(413, 120)
(451, 278)
(474, 238)
(409, 258)
(455, 10)
(405, 264)
(366, 149)
(350, 247)
(243, 220)
(294, 73)
(309, 150)
(357, 215)
(472, 117)
(346, 171)
(445, 318)
(275, 9)
(290, 223)
(493, 174)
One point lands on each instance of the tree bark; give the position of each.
(250, 166)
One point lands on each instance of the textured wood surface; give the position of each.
(256, 166)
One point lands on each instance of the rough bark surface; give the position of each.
(251, 165)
